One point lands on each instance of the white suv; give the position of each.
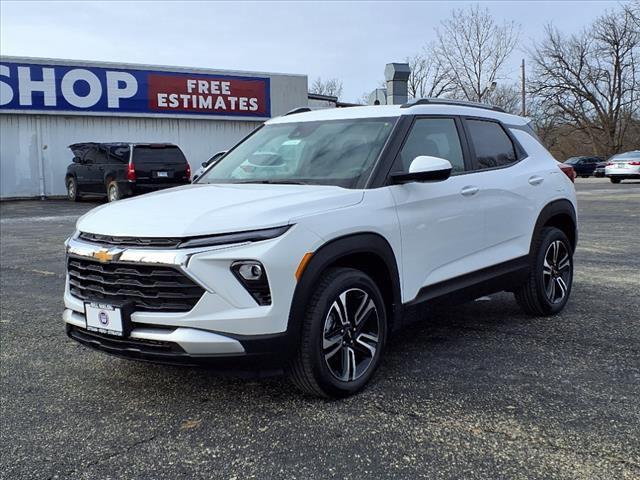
(316, 236)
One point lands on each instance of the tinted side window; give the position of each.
(91, 155)
(118, 154)
(101, 155)
(436, 137)
(493, 146)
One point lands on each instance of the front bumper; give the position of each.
(226, 323)
(135, 188)
(192, 342)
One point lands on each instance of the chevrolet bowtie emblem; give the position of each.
(103, 256)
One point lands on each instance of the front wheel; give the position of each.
(614, 180)
(72, 189)
(548, 286)
(343, 335)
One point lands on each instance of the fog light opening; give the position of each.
(250, 271)
(253, 277)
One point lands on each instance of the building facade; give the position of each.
(46, 105)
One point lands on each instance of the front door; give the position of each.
(442, 223)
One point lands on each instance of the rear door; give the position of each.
(117, 161)
(510, 186)
(159, 164)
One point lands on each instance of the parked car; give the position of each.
(623, 166)
(307, 268)
(599, 171)
(119, 170)
(217, 156)
(584, 166)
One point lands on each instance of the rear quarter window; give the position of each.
(118, 153)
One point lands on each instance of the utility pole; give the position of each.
(524, 106)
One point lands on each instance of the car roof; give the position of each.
(629, 154)
(391, 111)
(118, 144)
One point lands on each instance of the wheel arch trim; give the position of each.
(330, 254)
(554, 209)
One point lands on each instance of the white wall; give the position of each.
(26, 140)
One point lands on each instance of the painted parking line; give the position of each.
(603, 191)
(56, 218)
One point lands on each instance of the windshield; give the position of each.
(337, 152)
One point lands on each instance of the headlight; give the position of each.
(253, 278)
(229, 238)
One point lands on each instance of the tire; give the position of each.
(548, 285)
(615, 180)
(72, 190)
(332, 343)
(113, 191)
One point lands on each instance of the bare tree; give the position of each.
(505, 96)
(634, 11)
(428, 77)
(331, 87)
(472, 49)
(591, 80)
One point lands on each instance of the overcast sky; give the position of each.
(348, 40)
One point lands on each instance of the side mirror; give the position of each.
(76, 160)
(216, 156)
(424, 169)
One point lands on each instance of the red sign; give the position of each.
(215, 95)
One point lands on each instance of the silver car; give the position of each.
(623, 166)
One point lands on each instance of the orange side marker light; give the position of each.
(303, 264)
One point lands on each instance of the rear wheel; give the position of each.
(614, 180)
(548, 286)
(113, 191)
(72, 189)
(343, 334)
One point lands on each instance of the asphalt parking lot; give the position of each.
(474, 391)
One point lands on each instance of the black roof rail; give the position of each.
(446, 101)
(297, 110)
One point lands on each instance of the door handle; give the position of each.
(469, 190)
(536, 180)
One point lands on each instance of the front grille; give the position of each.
(145, 287)
(112, 241)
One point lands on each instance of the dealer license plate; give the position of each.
(103, 318)
(162, 174)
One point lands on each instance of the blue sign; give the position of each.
(45, 88)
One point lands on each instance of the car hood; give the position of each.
(203, 209)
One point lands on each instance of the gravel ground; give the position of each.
(475, 391)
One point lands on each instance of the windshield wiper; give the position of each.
(275, 182)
